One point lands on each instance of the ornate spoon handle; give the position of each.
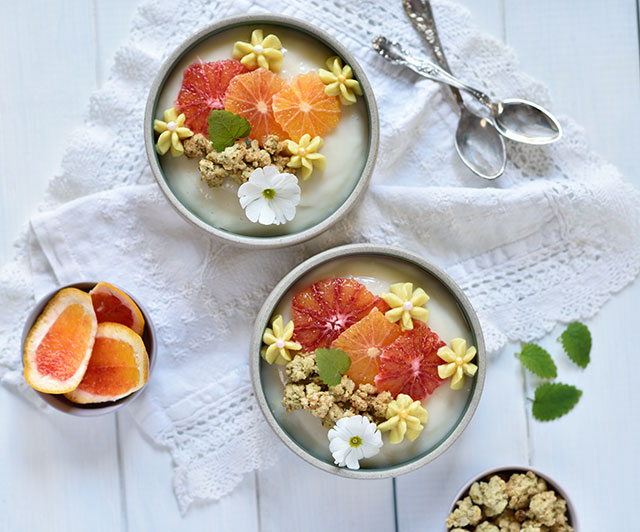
(393, 52)
(421, 16)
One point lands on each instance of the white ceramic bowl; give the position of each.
(210, 32)
(258, 365)
(59, 401)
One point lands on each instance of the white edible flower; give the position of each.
(352, 439)
(269, 197)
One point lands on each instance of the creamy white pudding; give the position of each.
(345, 147)
(445, 406)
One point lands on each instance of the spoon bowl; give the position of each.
(525, 121)
(480, 145)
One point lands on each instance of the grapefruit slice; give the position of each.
(58, 346)
(112, 304)
(303, 107)
(250, 95)
(203, 88)
(119, 366)
(410, 364)
(324, 310)
(363, 342)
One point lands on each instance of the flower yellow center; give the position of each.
(355, 441)
(403, 414)
(268, 193)
(459, 361)
(302, 152)
(171, 126)
(341, 78)
(408, 306)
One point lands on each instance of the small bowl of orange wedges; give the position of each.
(88, 348)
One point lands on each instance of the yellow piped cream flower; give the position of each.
(405, 417)
(406, 305)
(458, 362)
(172, 132)
(339, 81)
(278, 340)
(265, 52)
(305, 155)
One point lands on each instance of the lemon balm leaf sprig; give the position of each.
(555, 399)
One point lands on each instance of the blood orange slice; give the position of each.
(112, 304)
(303, 107)
(363, 342)
(410, 364)
(250, 95)
(119, 366)
(327, 308)
(203, 88)
(58, 346)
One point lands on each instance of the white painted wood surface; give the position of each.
(62, 473)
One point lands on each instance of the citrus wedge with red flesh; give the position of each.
(112, 304)
(303, 107)
(250, 96)
(363, 342)
(58, 346)
(204, 86)
(325, 309)
(119, 366)
(410, 364)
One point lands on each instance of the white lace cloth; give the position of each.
(550, 241)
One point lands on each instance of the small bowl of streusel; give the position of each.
(512, 498)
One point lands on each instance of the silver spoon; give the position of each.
(516, 119)
(477, 140)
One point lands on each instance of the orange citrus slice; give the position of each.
(58, 346)
(119, 366)
(251, 95)
(302, 107)
(112, 304)
(363, 342)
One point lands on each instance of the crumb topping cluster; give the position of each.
(306, 391)
(238, 161)
(522, 504)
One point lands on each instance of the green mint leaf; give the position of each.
(538, 361)
(553, 400)
(576, 341)
(332, 365)
(225, 128)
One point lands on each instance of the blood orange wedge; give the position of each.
(58, 346)
(303, 107)
(327, 308)
(203, 88)
(119, 366)
(363, 342)
(250, 95)
(410, 364)
(112, 304)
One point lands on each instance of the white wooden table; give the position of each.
(61, 473)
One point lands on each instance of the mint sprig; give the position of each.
(576, 340)
(225, 128)
(538, 361)
(553, 400)
(332, 365)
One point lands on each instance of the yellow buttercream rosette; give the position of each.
(304, 154)
(406, 305)
(278, 342)
(265, 52)
(405, 418)
(339, 81)
(458, 362)
(172, 132)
